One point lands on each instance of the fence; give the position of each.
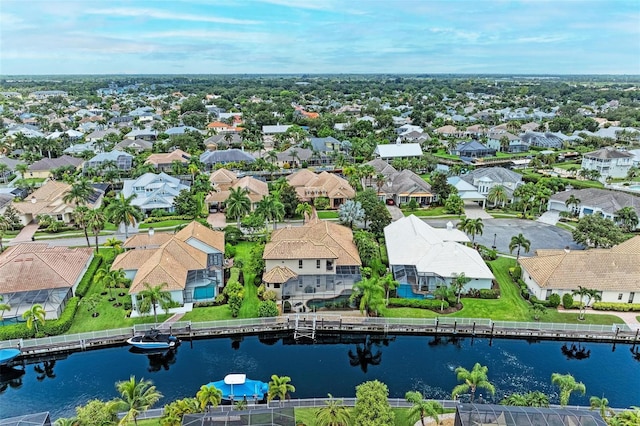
(332, 322)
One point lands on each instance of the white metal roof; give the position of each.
(399, 150)
(235, 379)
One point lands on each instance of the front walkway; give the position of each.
(395, 212)
(476, 212)
(217, 220)
(26, 234)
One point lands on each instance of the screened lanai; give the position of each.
(502, 415)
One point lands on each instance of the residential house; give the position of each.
(97, 135)
(189, 265)
(146, 134)
(269, 132)
(135, 145)
(295, 157)
(449, 131)
(398, 150)
(594, 200)
(473, 149)
(310, 186)
(612, 272)
(81, 148)
(220, 127)
(256, 189)
(39, 273)
(325, 145)
(514, 144)
(401, 187)
(223, 140)
(164, 161)
(44, 94)
(609, 162)
(466, 191)
(10, 164)
(212, 158)
(486, 178)
(119, 160)
(181, 130)
(542, 140)
(49, 200)
(42, 168)
(427, 258)
(318, 260)
(153, 192)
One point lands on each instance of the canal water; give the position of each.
(334, 365)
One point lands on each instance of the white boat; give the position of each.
(153, 339)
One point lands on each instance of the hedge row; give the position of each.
(87, 279)
(431, 304)
(614, 306)
(163, 218)
(50, 328)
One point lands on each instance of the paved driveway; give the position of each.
(541, 235)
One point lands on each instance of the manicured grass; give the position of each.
(33, 181)
(565, 226)
(430, 212)
(250, 303)
(307, 416)
(327, 214)
(638, 318)
(149, 422)
(408, 313)
(211, 313)
(163, 224)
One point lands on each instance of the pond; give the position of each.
(336, 364)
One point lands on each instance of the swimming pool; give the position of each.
(634, 188)
(405, 291)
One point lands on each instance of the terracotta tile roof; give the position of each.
(132, 259)
(222, 179)
(315, 240)
(201, 233)
(616, 269)
(278, 275)
(146, 240)
(309, 185)
(48, 200)
(27, 267)
(218, 124)
(168, 158)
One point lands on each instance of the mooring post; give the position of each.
(455, 326)
(437, 322)
(617, 331)
(340, 323)
(635, 339)
(473, 330)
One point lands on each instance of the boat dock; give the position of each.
(309, 327)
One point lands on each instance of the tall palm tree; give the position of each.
(458, 283)
(34, 316)
(136, 397)
(463, 225)
(3, 307)
(497, 195)
(520, 242)
(588, 294)
(573, 202)
(602, 405)
(238, 203)
(79, 193)
(628, 218)
(304, 209)
(371, 295)
(280, 387)
(272, 156)
(271, 208)
(476, 378)
(96, 220)
(334, 413)
(422, 408)
(209, 396)
(80, 217)
(475, 228)
(567, 384)
(193, 170)
(22, 168)
(121, 210)
(389, 284)
(151, 296)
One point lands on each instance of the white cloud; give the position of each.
(159, 14)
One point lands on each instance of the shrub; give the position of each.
(270, 295)
(487, 253)
(163, 218)
(431, 304)
(321, 203)
(268, 308)
(535, 301)
(554, 300)
(567, 301)
(260, 291)
(229, 251)
(486, 293)
(615, 306)
(515, 272)
(62, 324)
(87, 279)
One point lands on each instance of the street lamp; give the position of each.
(494, 241)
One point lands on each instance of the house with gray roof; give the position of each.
(594, 200)
(42, 168)
(11, 166)
(327, 144)
(609, 162)
(81, 148)
(137, 145)
(153, 191)
(473, 149)
(515, 143)
(485, 178)
(146, 134)
(211, 158)
(542, 140)
(401, 187)
(180, 130)
(122, 160)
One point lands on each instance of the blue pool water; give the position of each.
(635, 187)
(405, 291)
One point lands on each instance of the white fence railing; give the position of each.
(344, 323)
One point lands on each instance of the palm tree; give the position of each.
(304, 209)
(238, 203)
(567, 384)
(80, 217)
(628, 218)
(443, 293)
(520, 242)
(458, 283)
(272, 156)
(334, 413)
(389, 284)
(34, 316)
(279, 387)
(585, 293)
(422, 408)
(4, 227)
(110, 279)
(474, 228)
(151, 296)
(3, 307)
(96, 220)
(121, 210)
(136, 397)
(497, 195)
(272, 209)
(463, 225)
(209, 396)
(371, 295)
(62, 421)
(602, 404)
(115, 243)
(3, 171)
(573, 201)
(193, 170)
(294, 156)
(79, 193)
(22, 168)
(476, 378)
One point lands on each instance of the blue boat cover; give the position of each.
(252, 389)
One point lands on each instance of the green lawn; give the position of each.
(211, 313)
(327, 214)
(163, 224)
(250, 302)
(430, 212)
(307, 416)
(565, 226)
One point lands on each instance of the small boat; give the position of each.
(8, 355)
(235, 387)
(153, 339)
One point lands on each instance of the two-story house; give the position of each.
(486, 178)
(118, 160)
(164, 161)
(224, 180)
(609, 162)
(189, 265)
(310, 186)
(316, 261)
(153, 192)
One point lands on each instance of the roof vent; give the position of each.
(567, 249)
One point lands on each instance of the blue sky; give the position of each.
(321, 36)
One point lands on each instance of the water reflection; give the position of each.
(44, 370)
(574, 351)
(10, 377)
(635, 352)
(365, 354)
(158, 359)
